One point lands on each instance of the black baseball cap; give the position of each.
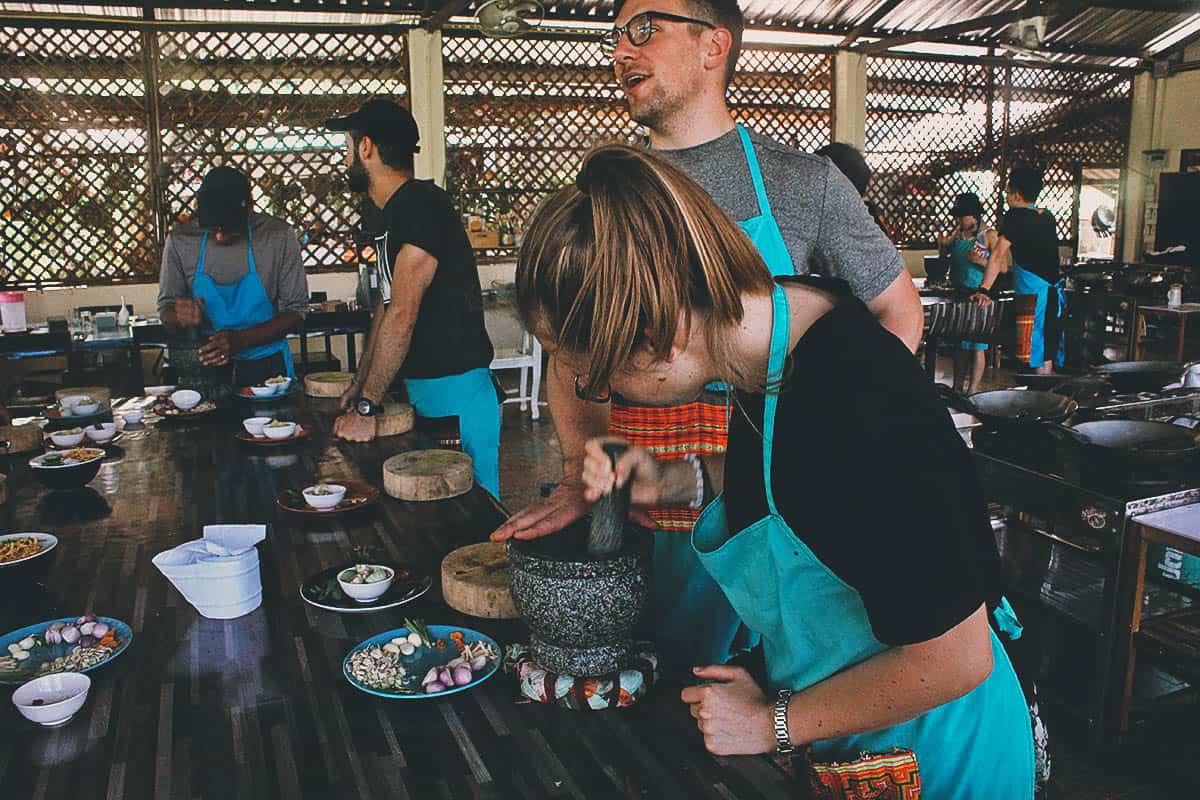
(967, 205)
(382, 120)
(223, 200)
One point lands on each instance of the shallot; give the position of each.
(87, 641)
(434, 687)
(86, 628)
(462, 675)
(70, 634)
(86, 618)
(445, 676)
(53, 636)
(478, 663)
(99, 629)
(430, 677)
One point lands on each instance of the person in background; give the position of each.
(428, 326)
(968, 247)
(853, 164)
(236, 275)
(674, 60)
(1028, 235)
(872, 602)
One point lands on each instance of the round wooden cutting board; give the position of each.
(427, 475)
(327, 384)
(20, 438)
(397, 418)
(476, 580)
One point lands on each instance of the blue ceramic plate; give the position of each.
(48, 652)
(425, 659)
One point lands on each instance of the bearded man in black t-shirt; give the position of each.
(428, 326)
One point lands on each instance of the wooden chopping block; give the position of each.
(397, 418)
(98, 393)
(327, 384)
(476, 580)
(20, 438)
(427, 475)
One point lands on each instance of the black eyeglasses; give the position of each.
(641, 28)
(603, 397)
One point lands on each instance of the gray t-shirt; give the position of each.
(276, 256)
(824, 221)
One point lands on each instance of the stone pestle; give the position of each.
(611, 512)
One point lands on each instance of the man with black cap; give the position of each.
(237, 274)
(968, 247)
(428, 327)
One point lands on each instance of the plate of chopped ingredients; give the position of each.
(323, 591)
(16, 548)
(70, 644)
(358, 495)
(419, 661)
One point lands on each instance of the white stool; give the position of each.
(528, 359)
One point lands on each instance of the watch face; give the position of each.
(364, 407)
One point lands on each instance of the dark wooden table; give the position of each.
(257, 707)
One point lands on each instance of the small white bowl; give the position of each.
(67, 439)
(262, 391)
(324, 501)
(280, 431)
(84, 409)
(72, 400)
(282, 387)
(185, 399)
(254, 426)
(62, 695)
(133, 416)
(366, 592)
(104, 433)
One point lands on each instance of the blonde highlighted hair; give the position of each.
(618, 261)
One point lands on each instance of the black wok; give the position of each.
(1140, 376)
(1010, 406)
(1119, 444)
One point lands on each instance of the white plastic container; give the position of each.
(219, 574)
(12, 311)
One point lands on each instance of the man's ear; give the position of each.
(716, 55)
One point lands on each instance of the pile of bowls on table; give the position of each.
(272, 387)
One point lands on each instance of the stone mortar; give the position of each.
(581, 611)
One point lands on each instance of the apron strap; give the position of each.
(200, 258)
(760, 189)
(252, 268)
(780, 333)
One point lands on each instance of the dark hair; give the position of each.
(1026, 181)
(722, 13)
(851, 163)
(391, 153)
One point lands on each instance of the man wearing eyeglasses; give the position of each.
(674, 59)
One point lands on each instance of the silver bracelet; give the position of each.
(783, 739)
(694, 460)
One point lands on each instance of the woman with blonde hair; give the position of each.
(848, 527)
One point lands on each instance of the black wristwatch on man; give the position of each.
(365, 407)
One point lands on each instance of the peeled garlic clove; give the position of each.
(399, 640)
(391, 649)
(407, 649)
(21, 655)
(27, 643)
(414, 639)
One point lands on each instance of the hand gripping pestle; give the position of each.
(611, 512)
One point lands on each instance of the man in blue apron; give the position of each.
(236, 275)
(674, 60)
(1029, 236)
(428, 325)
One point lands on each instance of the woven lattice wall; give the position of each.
(936, 128)
(89, 183)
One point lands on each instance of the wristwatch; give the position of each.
(783, 740)
(366, 407)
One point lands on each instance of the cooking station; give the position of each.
(1065, 520)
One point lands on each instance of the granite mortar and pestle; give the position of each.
(582, 590)
(213, 382)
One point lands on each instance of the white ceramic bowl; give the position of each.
(133, 416)
(323, 501)
(104, 433)
(280, 432)
(84, 409)
(254, 426)
(72, 400)
(282, 387)
(366, 592)
(185, 399)
(61, 695)
(49, 542)
(61, 439)
(262, 391)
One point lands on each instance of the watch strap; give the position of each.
(783, 740)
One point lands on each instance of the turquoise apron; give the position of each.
(692, 621)
(967, 274)
(1027, 282)
(240, 305)
(470, 396)
(813, 625)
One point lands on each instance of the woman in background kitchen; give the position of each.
(968, 247)
(871, 602)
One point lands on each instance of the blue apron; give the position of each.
(240, 305)
(966, 274)
(470, 396)
(814, 625)
(692, 620)
(1027, 282)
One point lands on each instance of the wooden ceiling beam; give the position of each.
(452, 8)
(868, 24)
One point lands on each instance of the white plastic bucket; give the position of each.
(217, 586)
(12, 311)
